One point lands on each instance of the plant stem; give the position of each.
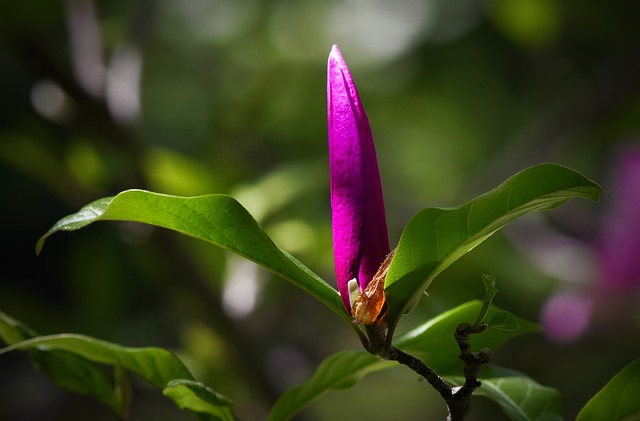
(422, 369)
(473, 361)
(458, 404)
(458, 399)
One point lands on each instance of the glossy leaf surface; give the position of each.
(218, 219)
(435, 237)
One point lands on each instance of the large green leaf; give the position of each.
(158, 366)
(338, 372)
(433, 341)
(435, 238)
(520, 397)
(217, 218)
(619, 399)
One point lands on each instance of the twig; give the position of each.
(422, 369)
(458, 399)
(473, 363)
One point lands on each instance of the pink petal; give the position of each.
(360, 239)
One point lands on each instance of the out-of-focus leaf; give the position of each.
(65, 369)
(218, 219)
(619, 399)
(531, 23)
(284, 185)
(171, 172)
(338, 372)
(433, 342)
(520, 397)
(12, 330)
(435, 238)
(158, 366)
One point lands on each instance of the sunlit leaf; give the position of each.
(338, 372)
(435, 238)
(218, 219)
(618, 399)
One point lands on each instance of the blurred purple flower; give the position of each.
(360, 239)
(619, 248)
(567, 315)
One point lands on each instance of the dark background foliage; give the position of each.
(196, 97)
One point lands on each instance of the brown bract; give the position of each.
(369, 305)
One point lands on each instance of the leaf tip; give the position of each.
(40, 244)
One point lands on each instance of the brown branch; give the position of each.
(458, 399)
(460, 403)
(422, 369)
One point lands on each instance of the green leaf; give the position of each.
(618, 399)
(503, 320)
(218, 219)
(78, 375)
(12, 330)
(197, 397)
(435, 238)
(434, 344)
(338, 372)
(519, 396)
(489, 282)
(65, 369)
(158, 366)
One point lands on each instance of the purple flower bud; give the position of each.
(360, 239)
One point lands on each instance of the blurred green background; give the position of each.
(193, 97)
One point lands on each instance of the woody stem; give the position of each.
(458, 399)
